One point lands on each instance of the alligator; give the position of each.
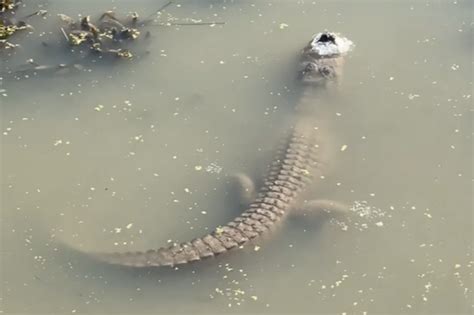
(288, 175)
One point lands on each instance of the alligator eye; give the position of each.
(309, 67)
(326, 71)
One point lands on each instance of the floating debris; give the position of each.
(213, 168)
(10, 24)
(8, 5)
(89, 39)
(107, 35)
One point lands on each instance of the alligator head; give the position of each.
(322, 58)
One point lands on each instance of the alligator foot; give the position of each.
(244, 187)
(321, 209)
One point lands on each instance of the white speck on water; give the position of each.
(139, 138)
(213, 168)
(412, 96)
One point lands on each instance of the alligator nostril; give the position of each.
(327, 38)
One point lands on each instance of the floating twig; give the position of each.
(65, 34)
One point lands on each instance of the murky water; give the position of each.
(130, 156)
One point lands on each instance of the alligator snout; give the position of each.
(321, 60)
(328, 44)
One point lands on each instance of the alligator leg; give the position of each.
(321, 209)
(244, 187)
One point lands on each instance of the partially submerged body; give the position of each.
(295, 166)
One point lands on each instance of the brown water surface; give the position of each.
(134, 155)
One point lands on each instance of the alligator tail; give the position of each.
(213, 244)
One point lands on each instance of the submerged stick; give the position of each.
(39, 12)
(189, 24)
(150, 17)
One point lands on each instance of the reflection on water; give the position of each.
(134, 155)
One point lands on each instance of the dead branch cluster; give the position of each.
(106, 36)
(11, 25)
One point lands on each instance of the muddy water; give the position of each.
(132, 156)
